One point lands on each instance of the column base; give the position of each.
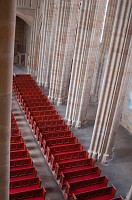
(39, 82)
(55, 101)
(99, 157)
(28, 72)
(59, 102)
(42, 84)
(52, 100)
(73, 123)
(106, 158)
(78, 124)
(69, 122)
(95, 155)
(49, 97)
(90, 153)
(46, 85)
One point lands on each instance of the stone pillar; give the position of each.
(86, 46)
(58, 17)
(38, 37)
(34, 42)
(42, 43)
(114, 84)
(7, 35)
(50, 40)
(67, 52)
(48, 14)
(103, 48)
(63, 50)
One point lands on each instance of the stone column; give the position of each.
(48, 10)
(64, 48)
(114, 84)
(49, 42)
(60, 6)
(42, 43)
(33, 44)
(86, 46)
(103, 48)
(7, 35)
(67, 52)
(38, 38)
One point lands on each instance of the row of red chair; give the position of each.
(72, 167)
(24, 182)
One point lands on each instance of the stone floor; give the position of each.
(118, 169)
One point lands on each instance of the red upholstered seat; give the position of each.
(85, 185)
(24, 184)
(53, 128)
(29, 194)
(26, 172)
(77, 175)
(53, 135)
(62, 148)
(17, 146)
(105, 193)
(40, 113)
(67, 157)
(18, 154)
(16, 139)
(59, 141)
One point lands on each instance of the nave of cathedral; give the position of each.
(111, 169)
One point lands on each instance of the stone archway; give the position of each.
(27, 18)
(22, 42)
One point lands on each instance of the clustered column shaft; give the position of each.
(35, 42)
(63, 50)
(87, 41)
(102, 54)
(110, 103)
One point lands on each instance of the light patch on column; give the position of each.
(103, 25)
(130, 101)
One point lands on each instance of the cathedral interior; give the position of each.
(66, 99)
